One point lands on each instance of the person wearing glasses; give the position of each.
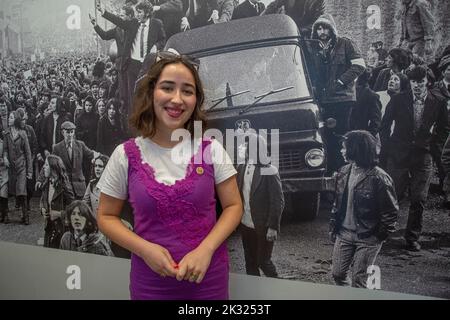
(178, 245)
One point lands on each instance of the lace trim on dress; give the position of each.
(174, 211)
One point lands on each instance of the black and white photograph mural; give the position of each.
(346, 102)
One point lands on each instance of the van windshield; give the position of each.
(234, 79)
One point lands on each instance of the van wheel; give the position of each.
(305, 206)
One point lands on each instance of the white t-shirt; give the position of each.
(167, 169)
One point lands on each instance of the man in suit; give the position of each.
(200, 13)
(420, 124)
(74, 153)
(118, 34)
(143, 35)
(170, 13)
(263, 203)
(248, 8)
(226, 9)
(303, 12)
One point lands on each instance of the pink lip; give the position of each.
(174, 112)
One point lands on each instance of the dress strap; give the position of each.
(133, 153)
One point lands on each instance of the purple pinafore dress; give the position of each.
(177, 217)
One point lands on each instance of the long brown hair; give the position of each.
(91, 224)
(361, 148)
(58, 169)
(143, 117)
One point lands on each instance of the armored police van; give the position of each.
(255, 76)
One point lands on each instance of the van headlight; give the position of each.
(314, 158)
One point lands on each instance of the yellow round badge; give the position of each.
(199, 170)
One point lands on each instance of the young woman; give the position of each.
(83, 233)
(57, 193)
(176, 236)
(262, 195)
(4, 165)
(100, 108)
(92, 195)
(365, 210)
(87, 123)
(398, 61)
(398, 84)
(21, 166)
(110, 132)
(32, 140)
(103, 90)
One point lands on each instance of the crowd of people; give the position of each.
(392, 124)
(62, 118)
(60, 122)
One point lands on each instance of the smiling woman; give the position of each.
(164, 81)
(176, 236)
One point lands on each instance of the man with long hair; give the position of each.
(365, 210)
(337, 63)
